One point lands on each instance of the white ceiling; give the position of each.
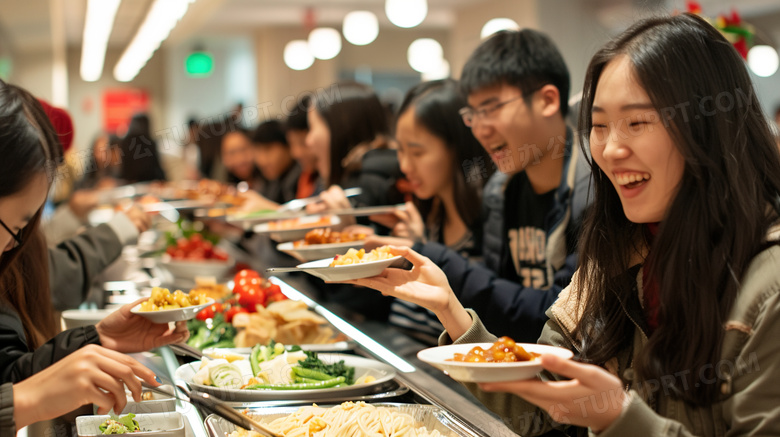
(25, 24)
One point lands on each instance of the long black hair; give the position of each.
(436, 105)
(354, 116)
(726, 201)
(29, 147)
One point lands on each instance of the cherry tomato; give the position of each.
(245, 273)
(209, 311)
(249, 293)
(233, 311)
(273, 293)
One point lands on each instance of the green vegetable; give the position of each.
(301, 379)
(262, 354)
(120, 425)
(334, 370)
(186, 229)
(220, 334)
(199, 339)
(312, 374)
(224, 343)
(254, 360)
(298, 386)
(225, 376)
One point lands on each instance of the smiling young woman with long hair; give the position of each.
(674, 313)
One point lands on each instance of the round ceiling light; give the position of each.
(497, 25)
(360, 27)
(425, 55)
(325, 42)
(297, 55)
(406, 13)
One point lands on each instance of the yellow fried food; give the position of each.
(163, 299)
(360, 256)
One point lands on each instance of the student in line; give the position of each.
(350, 137)
(674, 312)
(28, 343)
(433, 145)
(277, 167)
(517, 87)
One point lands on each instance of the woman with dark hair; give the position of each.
(349, 135)
(296, 127)
(29, 341)
(433, 146)
(674, 313)
(139, 152)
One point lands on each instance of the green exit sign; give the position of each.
(199, 64)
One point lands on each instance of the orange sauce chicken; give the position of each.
(505, 350)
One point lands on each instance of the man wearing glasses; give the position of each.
(517, 86)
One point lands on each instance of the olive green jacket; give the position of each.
(748, 370)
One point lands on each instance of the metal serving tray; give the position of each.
(429, 416)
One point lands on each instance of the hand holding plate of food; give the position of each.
(355, 264)
(164, 306)
(501, 361)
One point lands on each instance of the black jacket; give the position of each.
(18, 362)
(506, 307)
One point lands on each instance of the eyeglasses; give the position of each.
(17, 236)
(470, 115)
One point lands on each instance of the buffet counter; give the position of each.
(416, 386)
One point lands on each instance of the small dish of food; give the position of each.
(355, 264)
(169, 424)
(164, 306)
(501, 361)
(322, 243)
(295, 228)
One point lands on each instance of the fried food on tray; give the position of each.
(287, 321)
(327, 236)
(208, 286)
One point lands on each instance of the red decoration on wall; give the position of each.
(737, 32)
(119, 106)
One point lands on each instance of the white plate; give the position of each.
(188, 269)
(487, 372)
(77, 318)
(321, 269)
(169, 424)
(381, 371)
(312, 252)
(307, 224)
(174, 315)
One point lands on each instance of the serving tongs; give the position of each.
(215, 406)
(298, 204)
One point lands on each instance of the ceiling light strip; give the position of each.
(97, 29)
(161, 19)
